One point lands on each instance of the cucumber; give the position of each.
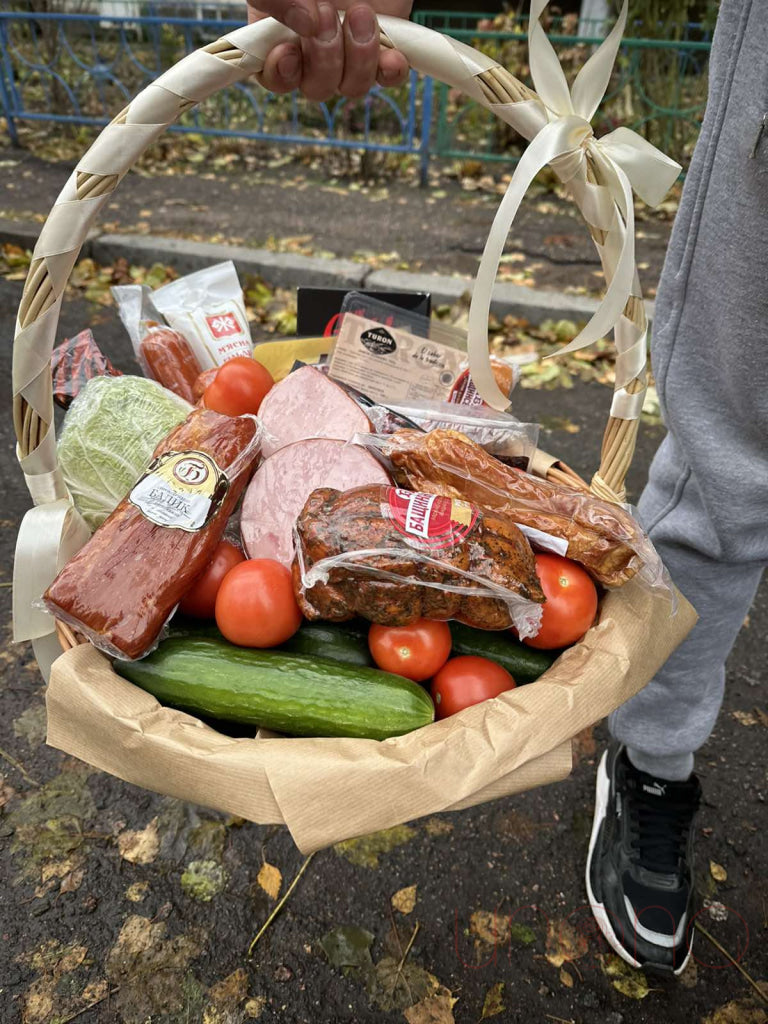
(338, 641)
(289, 693)
(347, 642)
(524, 664)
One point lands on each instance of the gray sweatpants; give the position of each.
(706, 502)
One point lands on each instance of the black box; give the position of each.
(318, 309)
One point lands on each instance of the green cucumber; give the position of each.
(524, 664)
(338, 641)
(289, 693)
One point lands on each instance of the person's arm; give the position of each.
(329, 57)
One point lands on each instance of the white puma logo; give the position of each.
(657, 789)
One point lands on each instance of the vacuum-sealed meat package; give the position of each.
(503, 436)
(164, 354)
(603, 537)
(120, 589)
(208, 309)
(394, 556)
(73, 363)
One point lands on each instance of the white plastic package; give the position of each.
(208, 308)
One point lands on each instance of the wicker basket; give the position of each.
(324, 790)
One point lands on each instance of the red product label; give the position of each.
(464, 391)
(222, 325)
(430, 519)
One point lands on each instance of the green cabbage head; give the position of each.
(110, 432)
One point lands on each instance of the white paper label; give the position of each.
(392, 365)
(180, 490)
(217, 333)
(545, 541)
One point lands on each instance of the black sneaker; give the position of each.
(640, 862)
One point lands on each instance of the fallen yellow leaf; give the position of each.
(404, 900)
(270, 880)
(493, 1003)
(38, 1001)
(566, 978)
(564, 943)
(625, 979)
(435, 1009)
(255, 1007)
(139, 847)
(717, 871)
(137, 891)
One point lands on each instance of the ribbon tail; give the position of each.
(549, 80)
(553, 140)
(49, 536)
(620, 287)
(590, 84)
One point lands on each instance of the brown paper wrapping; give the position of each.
(326, 790)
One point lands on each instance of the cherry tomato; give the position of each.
(255, 605)
(468, 680)
(239, 387)
(415, 651)
(571, 603)
(200, 599)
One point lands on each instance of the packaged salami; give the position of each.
(208, 309)
(122, 587)
(603, 537)
(394, 556)
(164, 354)
(73, 363)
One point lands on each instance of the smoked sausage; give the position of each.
(120, 589)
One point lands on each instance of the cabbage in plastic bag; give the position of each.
(110, 432)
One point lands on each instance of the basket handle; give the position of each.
(230, 59)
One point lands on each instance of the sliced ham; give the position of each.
(306, 404)
(281, 485)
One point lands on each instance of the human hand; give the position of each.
(330, 58)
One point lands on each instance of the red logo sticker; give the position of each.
(430, 519)
(464, 391)
(221, 325)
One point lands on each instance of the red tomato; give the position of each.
(571, 603)
(468, 680)
(415, 651)
(255, 606)
(239, 387)
(200, 599)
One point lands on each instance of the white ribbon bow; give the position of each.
(621, 161)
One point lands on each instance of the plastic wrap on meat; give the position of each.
(120, 589)
(393, 557)
(602, 537)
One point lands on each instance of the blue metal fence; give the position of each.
(82, 68)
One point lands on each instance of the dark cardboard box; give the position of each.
(318, 309)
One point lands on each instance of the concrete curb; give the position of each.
(290, 270)
(283, 269)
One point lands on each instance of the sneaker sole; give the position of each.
(602, 792)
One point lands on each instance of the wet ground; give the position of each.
(122, 906)
(392, 223)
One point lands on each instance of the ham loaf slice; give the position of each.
(281, 485)
(307, 404)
